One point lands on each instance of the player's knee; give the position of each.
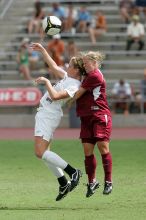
(103, 147)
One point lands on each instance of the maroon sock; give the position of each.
(107, 166)
(90, 167)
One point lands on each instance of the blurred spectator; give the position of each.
(71, 50)
(141, 5)
(83, 19)
(33, 59)
(47, 71)
(98, 26)
(143, 86)
(135, 32)
(23, 59)
(140, 96)
(56, 49)
(126, 9)
(47, 74)
(59, 12)
(143, 91)
(70, 19)
(33, 55)
(34, 24)
(122, 96)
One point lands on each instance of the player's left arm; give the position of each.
(55, 95)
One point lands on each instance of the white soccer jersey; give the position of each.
(69, 84)
(49, 113)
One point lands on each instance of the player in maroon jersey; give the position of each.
(96, 122)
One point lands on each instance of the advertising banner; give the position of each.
(29, 96)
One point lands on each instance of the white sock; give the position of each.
(54, 159)
(58, 172)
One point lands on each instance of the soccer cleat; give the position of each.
(91, 188)
(75, 179)
(63, 191)
(107, 188)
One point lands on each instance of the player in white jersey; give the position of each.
(49, 115)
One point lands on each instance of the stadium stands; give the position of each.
(117, 64)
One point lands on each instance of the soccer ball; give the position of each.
(51, 25)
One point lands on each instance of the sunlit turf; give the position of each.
(28, 189)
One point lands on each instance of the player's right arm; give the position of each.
(79, 93)
(51, 63)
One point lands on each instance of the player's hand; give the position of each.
(41, 80)
(36, 46)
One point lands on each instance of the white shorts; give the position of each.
(45, 125)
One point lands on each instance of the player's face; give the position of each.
(88, 64)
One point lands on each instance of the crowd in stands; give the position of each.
(34, 24)
(135, 33)
(80, 20)
(121, 96)
(26, 59)
(98, 26)
(125, 99)
(141, 96)
(23, 59)
(56, 48)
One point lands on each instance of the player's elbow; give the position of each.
(54, 97)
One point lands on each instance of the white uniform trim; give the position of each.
(106, 119)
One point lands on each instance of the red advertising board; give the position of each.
(29, 96)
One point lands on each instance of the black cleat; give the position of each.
(63, 191)
(75, 179)
(91, 188)
(107, 188)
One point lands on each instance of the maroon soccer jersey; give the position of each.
(93, 101)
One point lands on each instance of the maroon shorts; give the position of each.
(95, 128)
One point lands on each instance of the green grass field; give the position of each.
(28, 189)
